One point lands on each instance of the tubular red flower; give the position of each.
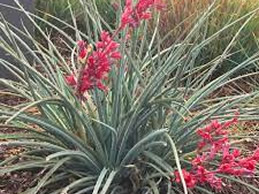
(188, 177)
(204, 134)
(236, 153)
(82, 49)
(203, 174)
(215, 182)
(248, 164)
(198, 160)
(71, 80)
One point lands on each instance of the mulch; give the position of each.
(17, 182)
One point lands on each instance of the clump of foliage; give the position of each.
(121, 115)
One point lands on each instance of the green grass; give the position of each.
(62, 9)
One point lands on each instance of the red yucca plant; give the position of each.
(112, 119)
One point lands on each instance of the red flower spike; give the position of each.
(215, 142)
(98, 63)
(133, 15)
(220, 142)
(208, 128)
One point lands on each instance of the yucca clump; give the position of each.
(124, 114)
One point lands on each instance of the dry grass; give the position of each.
(180, 16)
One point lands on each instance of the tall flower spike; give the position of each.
(99, 63)
(96, 64)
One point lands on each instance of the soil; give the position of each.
(12, 183)
(17, 182)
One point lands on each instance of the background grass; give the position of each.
(62, 9)
(180, 17)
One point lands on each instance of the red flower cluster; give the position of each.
(98, 64)
(215, 145)
(133, 15)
